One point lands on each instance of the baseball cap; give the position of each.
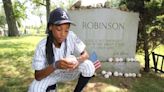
(59, 16)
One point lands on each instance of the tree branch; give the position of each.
(154, 48)
(42, 4)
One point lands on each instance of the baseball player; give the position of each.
(54, 59)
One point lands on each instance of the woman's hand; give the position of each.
(64, 64)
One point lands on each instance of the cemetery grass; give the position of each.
(16, 73)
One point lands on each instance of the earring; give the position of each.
(50, 27)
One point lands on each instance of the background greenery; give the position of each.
(16, 73)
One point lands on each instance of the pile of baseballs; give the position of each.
(117, 59)
(131, 59)
(106, 74)
(132, 75)
(116, 74)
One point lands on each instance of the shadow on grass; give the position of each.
(15, 63)
(149, 82)
(14, 85)
(14, 55)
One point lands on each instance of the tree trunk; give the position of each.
(144, 18)
(146, 48)
(145, 42)
(47, 9)
(47, 12)
(12, 28)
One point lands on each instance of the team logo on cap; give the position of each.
(64, 15)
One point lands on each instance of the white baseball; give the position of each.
(109, 73)
(139, 75)
(106, 76)
(120, 74)
(126, 74)
(121, 59)
(103, 72)
(110, 59)
(72, 59)
(130, 75)
(133, 74)
(115, 73)
(131, 59)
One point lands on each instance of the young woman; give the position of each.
(51, 60)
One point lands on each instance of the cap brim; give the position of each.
(64, 22)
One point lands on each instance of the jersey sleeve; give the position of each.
(79, 45)
(39, 59)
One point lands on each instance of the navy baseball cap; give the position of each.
(59, 16)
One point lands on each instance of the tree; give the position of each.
(12, 28)
(19, 11)
(47, 5)
(151, 31)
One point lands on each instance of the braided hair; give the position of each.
(49, 48)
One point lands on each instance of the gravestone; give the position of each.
(108, 32)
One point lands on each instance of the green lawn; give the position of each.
(16, 73)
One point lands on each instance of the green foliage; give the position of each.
(150, 31)
(133, 5)
(19, 11)
(2, 18)
(151, 16)
(2, 21)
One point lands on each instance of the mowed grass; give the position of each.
(15, 62)
(16, 73)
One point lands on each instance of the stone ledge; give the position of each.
(123, 67)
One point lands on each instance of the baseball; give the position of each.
(120, 74)
(132, 59)
(130, 74)
(109, 73)
(115, 73)
(106, 76)
(110, 59)
(139, 75)
(133, 74)
(72, 59)
(121, 59)
(126, 74)
(103, 72)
